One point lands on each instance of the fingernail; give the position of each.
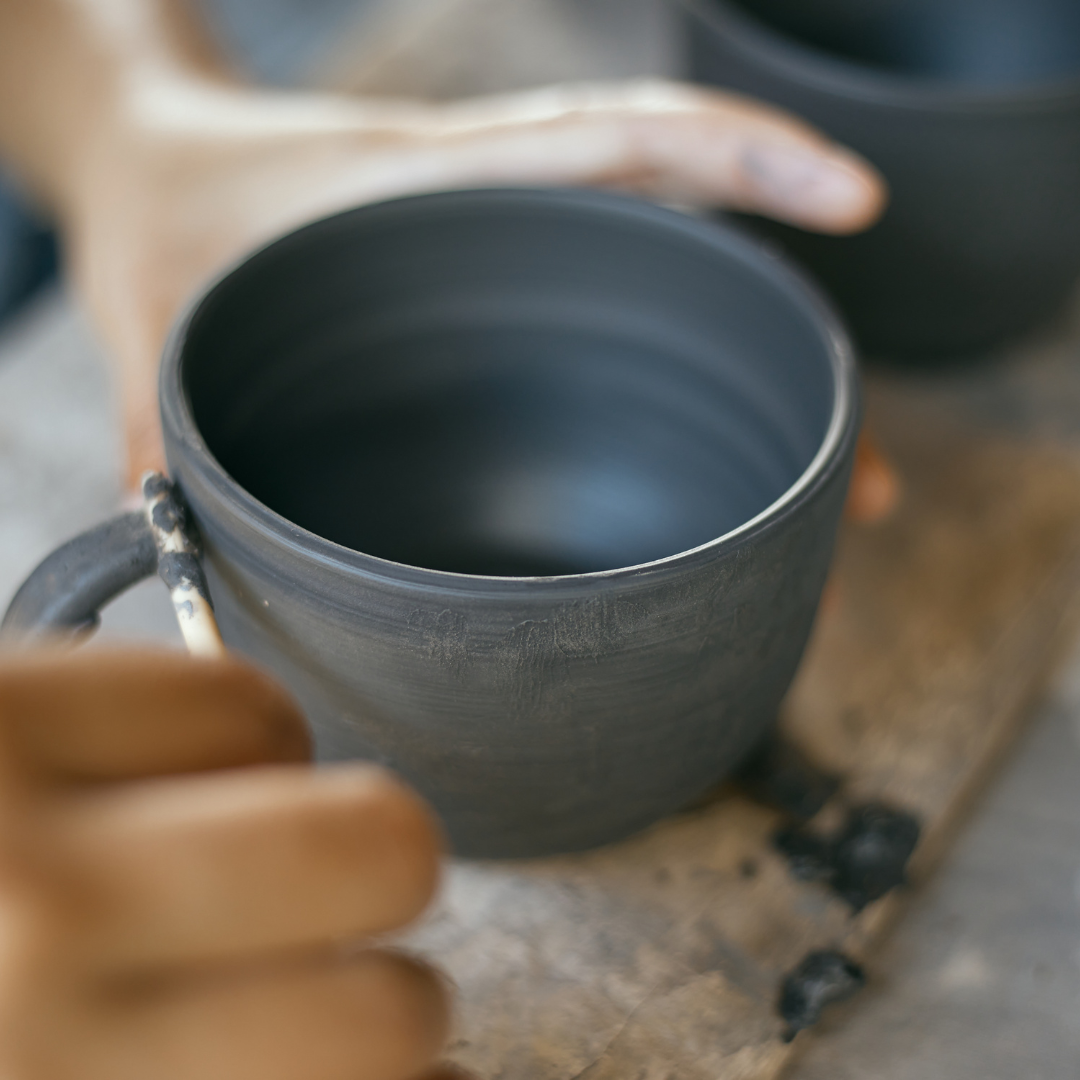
(807, 185)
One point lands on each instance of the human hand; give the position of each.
(183, 899)
(875, 489)
(198, 173)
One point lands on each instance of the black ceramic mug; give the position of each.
(971, 109)
(528, 494)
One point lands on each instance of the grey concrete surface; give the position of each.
(60, 458)
(982, 980)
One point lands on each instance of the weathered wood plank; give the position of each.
(662, 957)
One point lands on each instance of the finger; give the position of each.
(138, 330)
(379, 1016)
(105, 716)
(829, 604)
(875, 490)
(670, 141)
(143, 441)
(212, 868)
(134, 294)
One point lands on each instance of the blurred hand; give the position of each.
(182, 898)
(195, 174)
(875, 490)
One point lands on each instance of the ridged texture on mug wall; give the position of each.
(674, 460)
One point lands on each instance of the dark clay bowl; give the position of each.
(971, 109)
(528, 494)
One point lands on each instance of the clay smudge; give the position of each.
(863, 861)
(179, 567)
(824, 978)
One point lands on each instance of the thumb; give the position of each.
(143, 441)
(137, 371)
(132, 313)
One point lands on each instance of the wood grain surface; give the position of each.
(662, 957)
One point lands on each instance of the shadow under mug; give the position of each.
(971, 110)
(530, 495)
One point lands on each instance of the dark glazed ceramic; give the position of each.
(971, 109)
(528, 494)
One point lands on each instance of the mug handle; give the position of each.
(64, 595)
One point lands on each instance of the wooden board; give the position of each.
(662, 957)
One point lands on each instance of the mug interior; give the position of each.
(989, 43)
(511, 384)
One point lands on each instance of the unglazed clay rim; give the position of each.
(820, 69)
(843, 423)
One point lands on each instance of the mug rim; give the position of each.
(844, 421)
(822, 70)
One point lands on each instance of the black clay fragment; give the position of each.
(822, 979)
(780, 775)
(870, 856)
(861, 862)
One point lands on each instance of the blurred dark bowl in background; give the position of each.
(971, 109)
